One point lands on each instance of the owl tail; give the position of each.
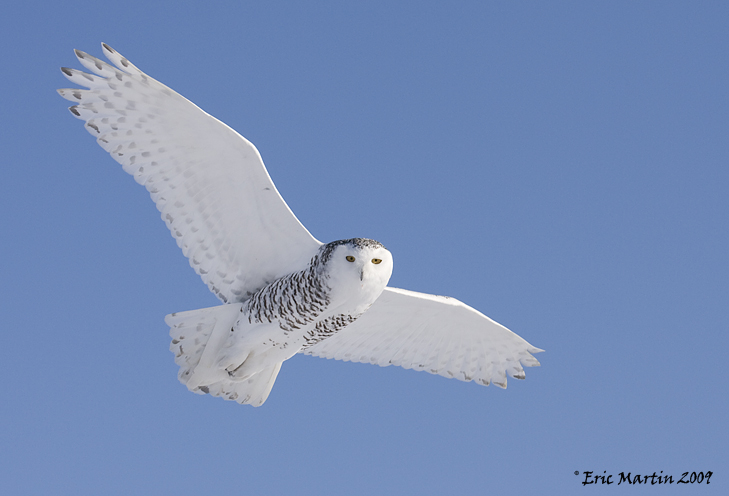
(197, 337)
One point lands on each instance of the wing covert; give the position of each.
(438, 334)
(208, 182)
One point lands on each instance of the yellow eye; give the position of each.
(350, 258)
(376, 260)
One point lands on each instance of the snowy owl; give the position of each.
(283, 292)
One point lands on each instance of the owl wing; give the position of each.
(208, 181)
(437, 334)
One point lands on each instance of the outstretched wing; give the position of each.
(437, 334)
(209, 182)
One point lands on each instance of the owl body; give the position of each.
(285, 317)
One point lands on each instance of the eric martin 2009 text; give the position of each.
(629, 478)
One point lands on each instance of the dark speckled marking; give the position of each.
(326, 328)
(294, 300)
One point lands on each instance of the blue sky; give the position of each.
(561, 166)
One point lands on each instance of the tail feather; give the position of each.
(191, 332)
(197, 337)
(252, 391)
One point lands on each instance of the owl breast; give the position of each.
(303, 308)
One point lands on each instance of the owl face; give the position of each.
(359, 265)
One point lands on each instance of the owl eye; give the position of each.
(376, 260)
(350, 258)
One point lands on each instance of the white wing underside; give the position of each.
(209, 182)
(437, 334)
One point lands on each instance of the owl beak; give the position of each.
(361, 274)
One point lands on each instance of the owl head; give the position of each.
(358, 264)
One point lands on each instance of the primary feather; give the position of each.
(283, 291)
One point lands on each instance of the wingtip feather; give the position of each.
(119, 60)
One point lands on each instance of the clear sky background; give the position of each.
(561, 166)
